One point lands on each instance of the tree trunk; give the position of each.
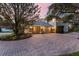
(16, 26)
(18, 30)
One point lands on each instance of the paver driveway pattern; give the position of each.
(41, 45)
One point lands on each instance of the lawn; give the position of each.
(77, 29)
(73, 54)
(10, 36)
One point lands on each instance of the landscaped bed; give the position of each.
(11, 36)
(72, 54)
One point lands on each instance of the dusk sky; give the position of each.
(44, 9)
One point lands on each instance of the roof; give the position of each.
(41, 22)
(60, 24)
(57, 23)
(45, 23)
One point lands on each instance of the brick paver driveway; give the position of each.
(41, 44)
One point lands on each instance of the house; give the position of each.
(60, 25)
(56, 25)
(40, 26)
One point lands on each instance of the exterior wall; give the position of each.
(55, 28)
(41, 29)
(47, 29)
(66, 28)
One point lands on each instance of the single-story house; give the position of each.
(56, 25)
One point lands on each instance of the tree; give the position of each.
(49, 17)
(18, 15)
(69, 12)
(0, 21)
(68, 18)
(63, 10)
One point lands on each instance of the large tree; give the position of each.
(68, 11)
(59, 9)
(19, 15)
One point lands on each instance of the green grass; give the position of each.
(11, 36)
(75, 54)
(76, 29)
(72, 54)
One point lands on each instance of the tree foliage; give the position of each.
(61, 8)
(18, 15)
(67, 11)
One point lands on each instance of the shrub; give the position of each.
(13, 37)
